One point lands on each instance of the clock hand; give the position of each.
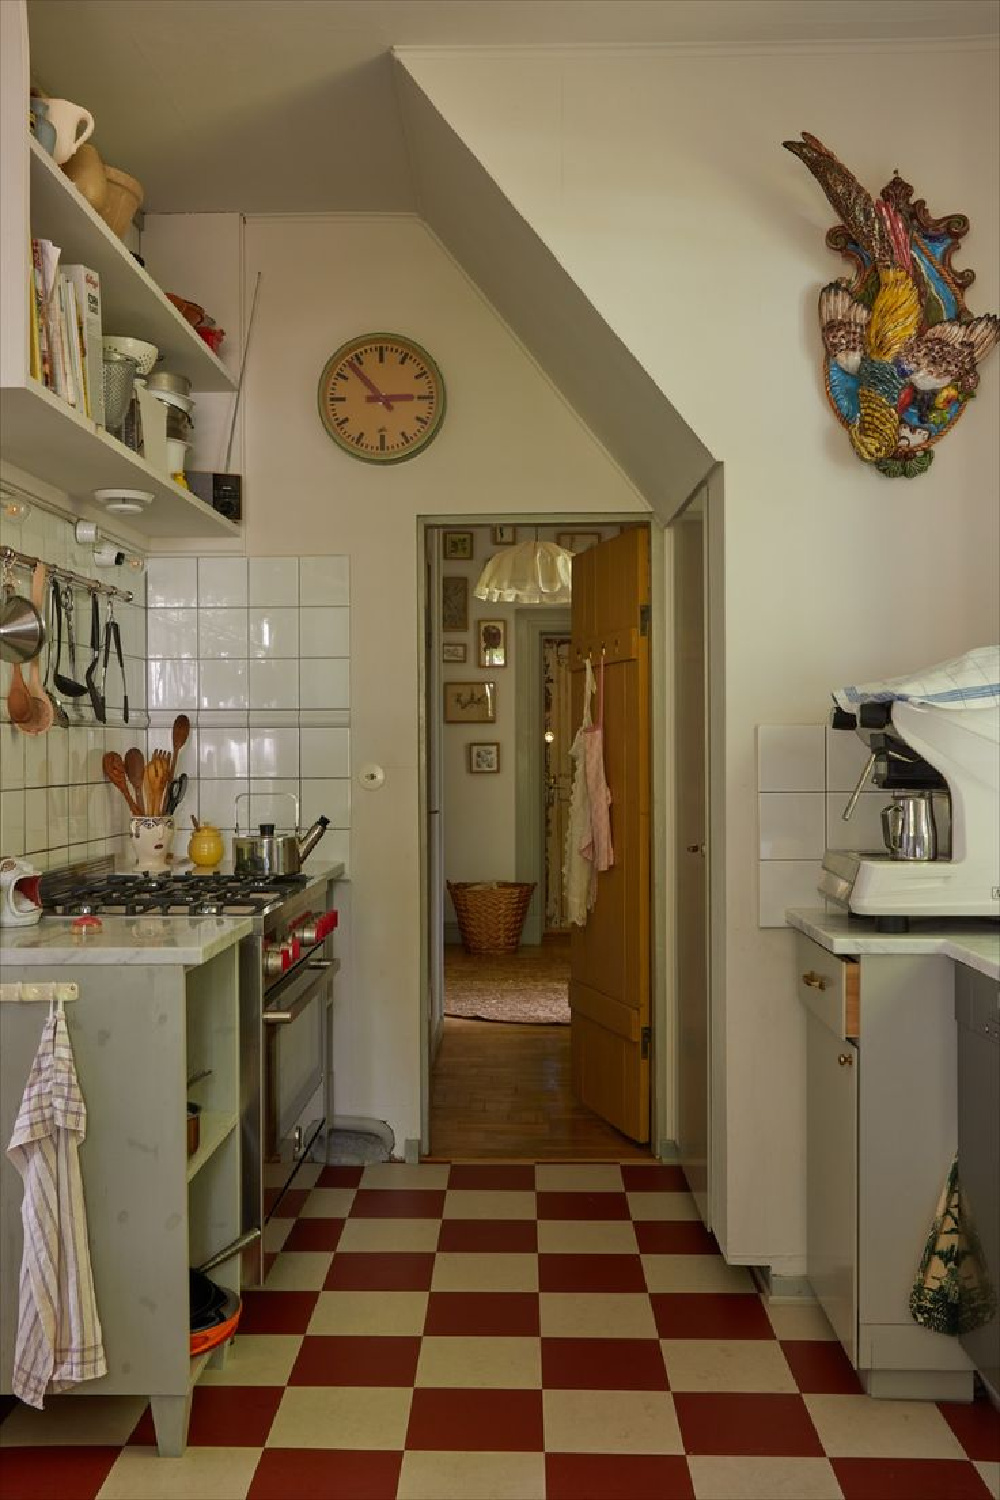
(407, 396)
(376, 394)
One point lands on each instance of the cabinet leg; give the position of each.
(170, 1421)
(219, 1355)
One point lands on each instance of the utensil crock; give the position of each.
(152, 841)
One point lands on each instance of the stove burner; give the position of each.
(174, 894)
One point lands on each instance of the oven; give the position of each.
(286, 993)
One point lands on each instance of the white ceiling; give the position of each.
(283, 105)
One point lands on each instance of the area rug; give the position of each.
(543, 1003)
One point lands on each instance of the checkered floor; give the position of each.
(511, 1332)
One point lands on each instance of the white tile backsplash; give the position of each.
(274, 580)
(785, 883)
(324, 580)
(172, 582)
(792, 825)
(222, 582)
(325, 684)
(274, 632)
(325, 632)
(223, 753)
(790, 758)
(266, 681)
(274, 684)
(222, 633)
(863, 831)
(324, 752)
(222, 684)
(173, 632)
(846, 757)
(274, 752)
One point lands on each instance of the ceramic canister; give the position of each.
(152, 842)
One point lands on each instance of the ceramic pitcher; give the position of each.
(67, 119)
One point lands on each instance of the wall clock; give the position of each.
(381, 398)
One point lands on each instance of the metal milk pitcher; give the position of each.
(908, 827)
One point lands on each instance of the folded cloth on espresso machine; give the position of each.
(969, 681)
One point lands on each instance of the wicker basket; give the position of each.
(491, 913)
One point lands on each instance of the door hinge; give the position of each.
(645, 1041)
(645, 612)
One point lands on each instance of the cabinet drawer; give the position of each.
(829, 987)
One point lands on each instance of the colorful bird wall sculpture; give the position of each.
(902, 348)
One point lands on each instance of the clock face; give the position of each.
(381, 398)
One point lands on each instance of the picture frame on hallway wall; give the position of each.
(456, 651)
(470, 702)
(457, 546)
(503, 536)
(577, 541)
(483, 757)
(491, 639)
(454, 604)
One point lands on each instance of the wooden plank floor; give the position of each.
(504, 1091)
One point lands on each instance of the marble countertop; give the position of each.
(973, 943)
(185, 941)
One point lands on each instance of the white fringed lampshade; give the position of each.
(530, 573)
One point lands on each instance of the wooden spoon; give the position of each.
(42, 714)
(18, 699)
(181, 730)
(114, 769)
(149, 789)
(135, 766)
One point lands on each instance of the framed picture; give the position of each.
(492, 638)
(484, 758)
(577, 541)
(454, 604)
(457, 546)
(502, 536)
(470, 702)
(454, 651)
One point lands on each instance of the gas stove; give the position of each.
(169, 895)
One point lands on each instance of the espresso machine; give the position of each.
(941, 767)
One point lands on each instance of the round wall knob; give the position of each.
(371, 777)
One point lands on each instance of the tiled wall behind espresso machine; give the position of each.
(256, 651)
(805, 775)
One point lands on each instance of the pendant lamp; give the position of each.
(529, 573)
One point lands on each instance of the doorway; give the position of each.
(506, 1090)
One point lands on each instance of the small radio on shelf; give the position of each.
(223, 492)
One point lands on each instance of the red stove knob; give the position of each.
(294, 949)
(326, 924)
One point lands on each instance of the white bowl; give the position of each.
(144, 354)
(171, 398)
(125, 502)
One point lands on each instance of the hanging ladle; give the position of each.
(67, 686)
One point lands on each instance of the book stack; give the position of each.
(66, 350)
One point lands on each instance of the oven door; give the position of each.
(295, 1047)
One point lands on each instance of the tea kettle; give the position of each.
(20, 903)
(268, 853)
(908, 827)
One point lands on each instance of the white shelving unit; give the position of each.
(39, 433)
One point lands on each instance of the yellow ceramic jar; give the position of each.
(206, 847)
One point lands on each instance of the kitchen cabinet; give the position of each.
(882, 1132)
(140, 1029)
(977, 1013)
(40, 433)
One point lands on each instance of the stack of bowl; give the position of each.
(173, 391)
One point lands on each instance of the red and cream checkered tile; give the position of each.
(503, 1331)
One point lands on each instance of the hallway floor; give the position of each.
(511, 1332)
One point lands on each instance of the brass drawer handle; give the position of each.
(845, 1059)
(813, 981)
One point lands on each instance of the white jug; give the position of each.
(67, 119)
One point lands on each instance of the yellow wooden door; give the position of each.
(609, 985)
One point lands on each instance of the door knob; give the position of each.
(845, 1059)
(696, 848)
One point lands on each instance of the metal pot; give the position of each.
(22, 632)
(267, 853)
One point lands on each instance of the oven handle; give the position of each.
(305, 991)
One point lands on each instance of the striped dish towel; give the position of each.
(969, 681)
(59, 1340)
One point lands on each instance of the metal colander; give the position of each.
(119, 378)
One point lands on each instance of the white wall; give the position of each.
(510, 448)
(658, 179)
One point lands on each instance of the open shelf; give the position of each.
(214, 1130)
(45, 436)
(131, 301)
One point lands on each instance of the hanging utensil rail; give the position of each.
(15, 559)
